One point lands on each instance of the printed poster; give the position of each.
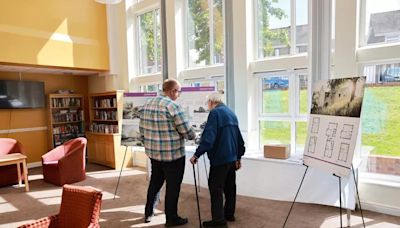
(133, 103)
(194, 101)
(333, 124)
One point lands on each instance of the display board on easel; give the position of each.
(334, 124)
(132, 104)
(194, 102)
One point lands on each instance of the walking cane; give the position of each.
(197, 196)
(122, 166)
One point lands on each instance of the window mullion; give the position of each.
(211, 29)
(155, 40)
(139, 42)
(293, 27)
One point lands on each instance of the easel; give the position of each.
(340, 196)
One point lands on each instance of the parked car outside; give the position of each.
(277, 82)
(391, 74)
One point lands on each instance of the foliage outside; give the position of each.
(150, 39)
(267, 36)
(199, 29)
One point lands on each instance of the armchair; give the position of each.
(65, 164)
(8, 174)
(80, 207)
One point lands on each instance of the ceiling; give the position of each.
(47, 70)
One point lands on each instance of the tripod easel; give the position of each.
(340, 197)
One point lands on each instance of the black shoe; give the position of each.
(230, 218)
(147, 219)
(214, 223)
(176, 222)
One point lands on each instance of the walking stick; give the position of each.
(197, 196)
(122, 166)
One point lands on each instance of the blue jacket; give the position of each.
(221, 138)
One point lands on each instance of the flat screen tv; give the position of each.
(21, 94)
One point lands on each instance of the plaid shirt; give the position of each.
(163, 129)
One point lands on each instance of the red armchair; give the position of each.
(80, 207)
(65, 164)
(8, 174)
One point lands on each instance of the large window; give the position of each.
(149, 37)
(282, 27)
(283, 109)
(380, 22)
(205, 32)
(381, 119)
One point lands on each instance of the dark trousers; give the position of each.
(222, 180)
(172, 173)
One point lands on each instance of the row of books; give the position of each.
(105, 115)
(105, 103)
(68, 129)
(104, 128)
(65, 102)
(67, 116)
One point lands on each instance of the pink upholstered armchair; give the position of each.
(80, 207)
(8, 174)
(65, 164)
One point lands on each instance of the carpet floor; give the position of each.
(126, 210)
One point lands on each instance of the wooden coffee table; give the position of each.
(17, 159)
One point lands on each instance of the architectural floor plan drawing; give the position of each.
(343, 152)
(347, 131)
(312, 144)
(331, 130)
(329, 148)
(315, 125)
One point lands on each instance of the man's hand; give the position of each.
(193, 160)
(238, 165)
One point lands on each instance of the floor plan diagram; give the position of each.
(315, 124)
(329, 148)
(312, 144)
(347, 131)
(343, 152)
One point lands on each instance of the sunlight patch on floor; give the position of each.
(7, 207)
(35, 177)
(156, 220)
(47, 193)
(51, 200)
(16, 224)
(334, 221)
(138, 209)
(114, 173)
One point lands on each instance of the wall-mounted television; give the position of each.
(21, 94)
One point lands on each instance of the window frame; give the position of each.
(138, 44)
(362, 41)
(292, 30)
(185, 25)
(293, 116)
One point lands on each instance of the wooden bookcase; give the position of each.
(104, 136)
(66, 118)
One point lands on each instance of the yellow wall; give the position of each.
(36, 142)
(64, 33)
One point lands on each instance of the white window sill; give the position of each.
(380, 179)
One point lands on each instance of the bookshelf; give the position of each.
(66, 118)
(104, 136)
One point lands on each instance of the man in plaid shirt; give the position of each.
(164, 129)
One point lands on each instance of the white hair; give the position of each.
(216, 97)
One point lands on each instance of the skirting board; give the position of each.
(381, 208)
